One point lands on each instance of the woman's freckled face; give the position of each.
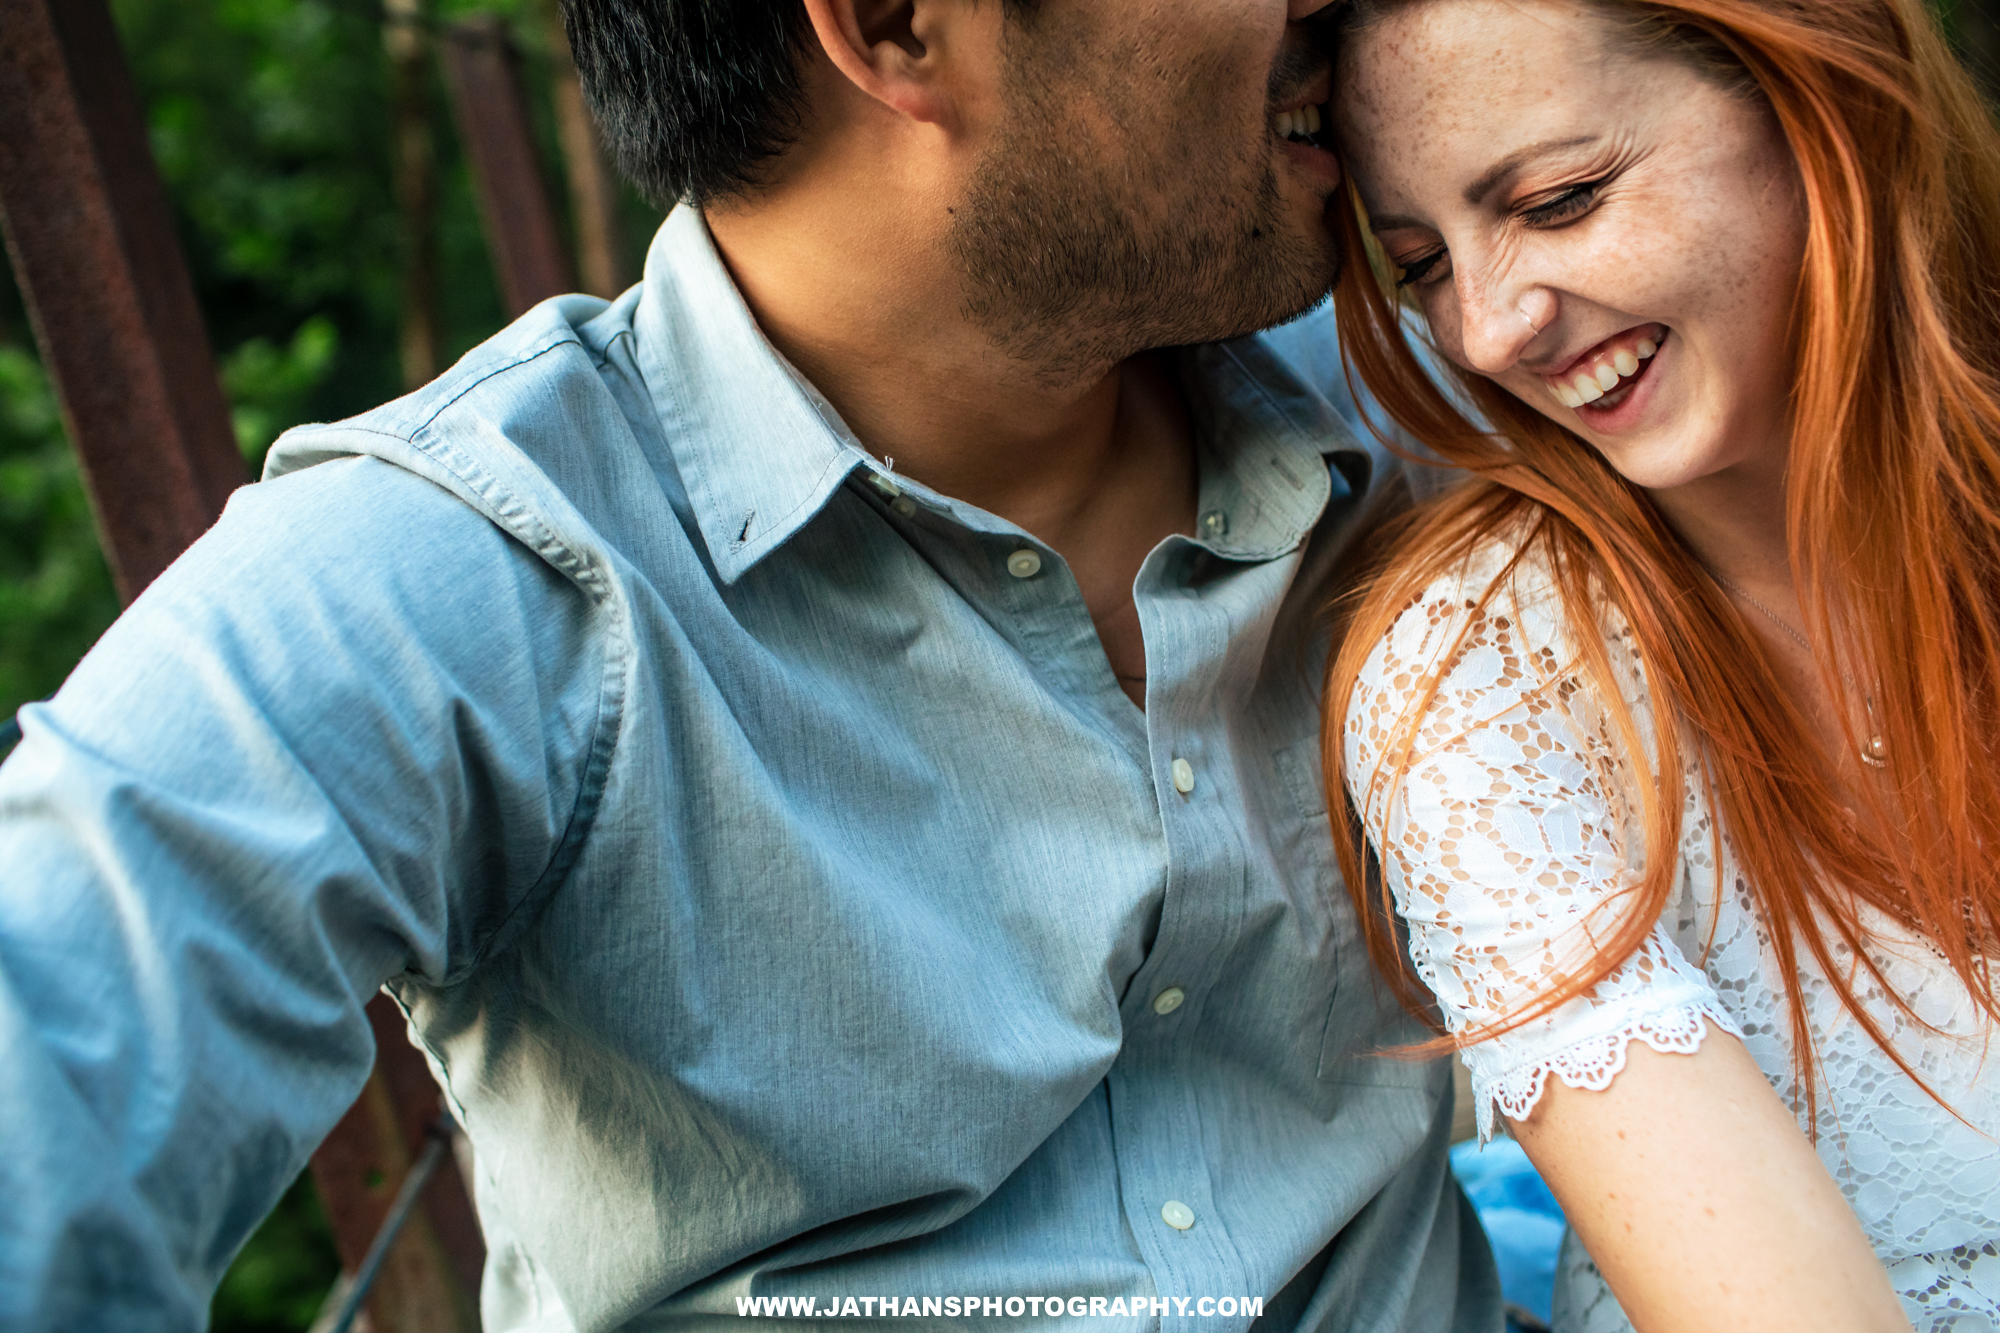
(1528, 174)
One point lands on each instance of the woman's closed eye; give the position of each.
(1564, 207)
(1567, 206)
(1421, 267)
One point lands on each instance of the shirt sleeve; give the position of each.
(1511, 837)
(335, 743)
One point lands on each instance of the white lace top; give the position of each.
(1506, 846)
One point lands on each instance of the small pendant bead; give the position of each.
(1875, 753)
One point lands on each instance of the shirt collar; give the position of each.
(1266, 438)
(760, 450)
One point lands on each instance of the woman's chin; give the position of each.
(1668, 459)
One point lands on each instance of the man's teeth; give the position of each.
(1601, 377)
(1298, 124)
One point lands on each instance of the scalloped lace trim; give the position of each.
(1593, 1063)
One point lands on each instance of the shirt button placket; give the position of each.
(1162, 1148)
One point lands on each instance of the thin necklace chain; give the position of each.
(1769, 614)
(1874, 751)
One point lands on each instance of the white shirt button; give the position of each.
(1024, 564)
(1177, 1215)
(1168, 1000)
(1215, 523)
(884, 485)
(904, 505)
(1183, 776)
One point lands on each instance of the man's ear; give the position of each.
(888, 49)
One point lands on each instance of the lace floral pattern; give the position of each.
(1510, 843)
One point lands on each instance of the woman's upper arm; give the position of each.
(1503, 814)
(1702, 1204)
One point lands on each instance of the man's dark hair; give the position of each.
(693, 96)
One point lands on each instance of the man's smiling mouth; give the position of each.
(1300, 125)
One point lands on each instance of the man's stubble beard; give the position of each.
(1076, 258)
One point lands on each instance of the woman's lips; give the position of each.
(1609, 369)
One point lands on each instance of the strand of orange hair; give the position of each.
(1893, 524)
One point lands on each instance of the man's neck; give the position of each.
(881, 332)
(1099, 465)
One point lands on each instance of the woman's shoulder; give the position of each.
(1481, 641)
(1489, 616)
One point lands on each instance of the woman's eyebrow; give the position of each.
(1476, 192)
(1488, 180)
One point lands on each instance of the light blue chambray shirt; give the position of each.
(787, 896)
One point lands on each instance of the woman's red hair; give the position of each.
(1893, 518)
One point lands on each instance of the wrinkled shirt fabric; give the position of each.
(773, 872)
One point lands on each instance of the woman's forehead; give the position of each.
(1452, 88)
(1464, 52)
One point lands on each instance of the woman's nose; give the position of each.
(1499, 322)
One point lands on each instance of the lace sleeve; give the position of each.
(1510, 836)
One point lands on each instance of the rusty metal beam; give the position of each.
(406, 41)
(92, 241)
(593, 187)
(483, 71)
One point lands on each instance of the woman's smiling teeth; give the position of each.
(1299, 125)
(1607, 369)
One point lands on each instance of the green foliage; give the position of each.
(270, 122)
(283, 1275)
(268, 125)
(269, 384)
(55, 590)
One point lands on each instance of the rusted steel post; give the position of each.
(483, 71)
(593, 188)
(430, 1281)
(413, 148)
(92, 241)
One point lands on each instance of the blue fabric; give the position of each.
(1523, 1221)
(781, 888)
